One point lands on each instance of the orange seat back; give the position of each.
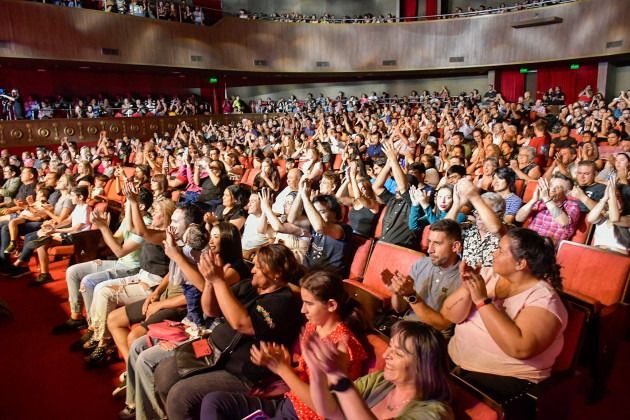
(529, 191)
(378, 231)
(337, 162)
(424, 242)
(597, 273)
(378, 344)
(357, 254)
(582, 231)
(130, 171)
(519, 187)
(391, 257)
(249, 176)
(573, 336)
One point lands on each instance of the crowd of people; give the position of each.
(14, 107)
(218, 287)
(458, 12)
(176, 11)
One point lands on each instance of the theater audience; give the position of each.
(509, 319)
(420, 295)
(414, 383)
(330, 315)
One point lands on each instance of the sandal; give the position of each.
(100, 356)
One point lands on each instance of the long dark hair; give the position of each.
(539, 252)
(326, 285)
(427, 347)
(230, 248)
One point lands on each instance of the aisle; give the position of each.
(41, 379)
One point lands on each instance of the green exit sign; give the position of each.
(574, 66)
(213, 80)
(523, 70)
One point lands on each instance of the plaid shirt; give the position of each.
(543, 222)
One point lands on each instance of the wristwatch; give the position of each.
(342, 385)
(483, 303)
(411, 299)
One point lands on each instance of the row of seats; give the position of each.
(595, 292)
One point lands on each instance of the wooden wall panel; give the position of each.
(44, 31)
(28, 133)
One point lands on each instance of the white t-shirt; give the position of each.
(80, 216)
(251, 239)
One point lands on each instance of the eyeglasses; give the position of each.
(214, 168)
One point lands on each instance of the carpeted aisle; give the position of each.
(41, 378)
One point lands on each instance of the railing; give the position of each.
(31, 133)
(392, 19)
(152, 12)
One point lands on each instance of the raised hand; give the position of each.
(265, 199)
(211, 267)
(100, 219)
(466, 188)
(402, 285)
(543, 189)
(418, 197)
(270, 355)
(170, 243)
(130, 191)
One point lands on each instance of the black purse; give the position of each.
(188, 363)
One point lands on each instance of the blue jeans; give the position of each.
(23, 229)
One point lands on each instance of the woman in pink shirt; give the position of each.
(509, 318)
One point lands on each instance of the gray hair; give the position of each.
(530, 150)
(496, 203)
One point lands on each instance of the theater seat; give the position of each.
(378, 345)
(424, 242)
(519, 187)
(597, 280)
(528, 193)
(371, 290)
(583, 231)
(357, 255)
(378, 231)
(249, 176)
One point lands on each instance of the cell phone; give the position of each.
(387, 276)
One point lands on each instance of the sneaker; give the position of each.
(43, 278)
(127, 413)
(9, 249)
(70, 325)
(16, 272)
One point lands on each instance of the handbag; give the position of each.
(189, 361)
(171, 331)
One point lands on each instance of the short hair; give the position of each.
(46, 191)
(331, 202)
(588, 163)
(497, 203)
(417, 166)
(33, 171)
(99, 177)
(530, 150)
(196, 236)
(449, 227)
(13, 169)
(80, 191)
(192, 213)
(456, 169)
(278, 260)
(564, 178)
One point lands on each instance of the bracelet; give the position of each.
(483, 303)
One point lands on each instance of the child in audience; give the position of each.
(334, 319)
(30, 214)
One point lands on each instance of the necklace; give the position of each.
(396, 407)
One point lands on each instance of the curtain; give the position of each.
(408, 8)
(510, 83)
(432, 7)
(571, 82)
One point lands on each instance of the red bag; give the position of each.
(171, 331)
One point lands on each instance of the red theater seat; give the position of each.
(358, 254)
(528, 193)
(378, 344)
(378, 231)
